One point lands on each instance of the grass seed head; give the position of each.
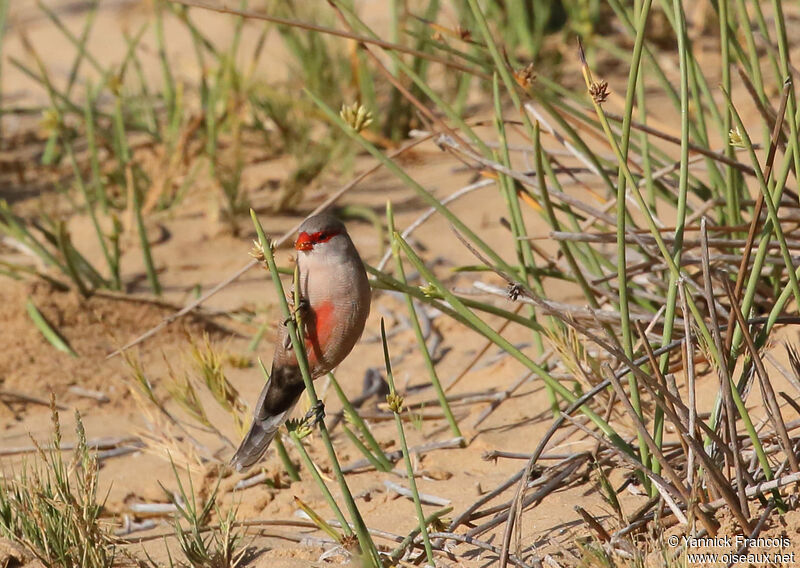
(395, 402)
(50, 123)
(430, 290)
(356, 116)
(735, 138)
(599, 91)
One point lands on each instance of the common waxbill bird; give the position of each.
(335, 299)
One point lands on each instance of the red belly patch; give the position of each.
(320, 328)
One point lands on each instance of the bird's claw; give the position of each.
(301, 308)
(317, 413)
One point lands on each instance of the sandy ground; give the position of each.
(197, 254)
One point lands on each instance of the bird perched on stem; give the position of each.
(334, 299)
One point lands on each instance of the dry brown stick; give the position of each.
(430, 211)
(236, 275)
(761, 488)
(754, 222)
(690, 380)
(670, 472)
(689, 243)
(479, 354)
(751, 491)
(518, 498)
(501, 397)
(772, 48)
(648, 384)
(466, 515)
(576, 312)
(661, 379)
(723, 372)
(549, 486)
(494, 455)
(632, 366)
(716, 156)
(666, 386)
(467, 398)
(756, 530)
(631, 461)
(716, 477)
(666, 229)
(95, 444)
(703, 209)
(334, 32)
(766, 386)
(790, 377)
(480, 544)
(767, 113)
(454, 148)
(612, 400)
(255, 523)
(575, 460)
(417, 450)
(22, 397)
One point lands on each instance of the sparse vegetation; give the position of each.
(52, 509)
(637, 260)
(203, 548)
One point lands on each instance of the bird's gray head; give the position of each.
(322, 232)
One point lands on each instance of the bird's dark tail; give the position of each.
(272, 410)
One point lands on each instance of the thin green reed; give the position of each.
(761, 22)
(386, 282)
(395, 402)
(792, 287)
(293, 323)
(772, 206)
(80, 45)
(572, 251)
(758, 263)
(3, 15)
(640, 7)
(148, 116)
(351, 414)
(129, 175)
(418, 80)
(697, 129)
(426, 196)
(683, 189)
(651, 224)
(786, 71)
(111, 261)
(94, 161)
(733, 179)
(543, 168)
(622, 214)
(412, 313)
(528, 272)
(297, 439)
(166, 70)
(473, 321)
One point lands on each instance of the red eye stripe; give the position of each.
(306, 241)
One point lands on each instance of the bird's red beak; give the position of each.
(304, 242)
